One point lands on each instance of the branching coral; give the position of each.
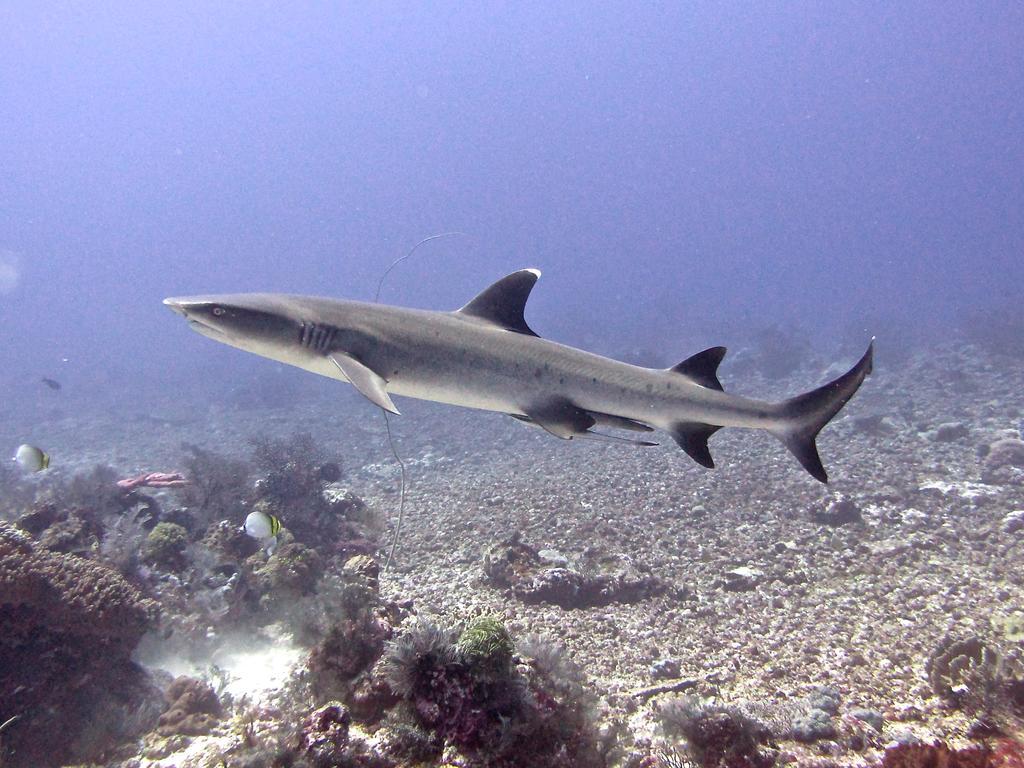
(122, 542)
(218, 486)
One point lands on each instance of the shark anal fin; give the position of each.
(703, 367)
(560, 417)
(370, 384)
(503, 303)
(692, 437)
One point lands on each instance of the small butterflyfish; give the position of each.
(30, 458)
(264, 528)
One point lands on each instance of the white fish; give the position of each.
(30, 458)
(264, 528)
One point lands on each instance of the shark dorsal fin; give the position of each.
(703, 367)
(502, 303)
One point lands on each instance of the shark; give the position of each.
(485, 356)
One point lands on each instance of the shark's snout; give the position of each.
(177, 305)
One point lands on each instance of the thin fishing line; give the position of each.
(387, 416)
(401, 497)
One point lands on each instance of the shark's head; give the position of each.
(254, 322)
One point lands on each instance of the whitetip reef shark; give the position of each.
(485, 356)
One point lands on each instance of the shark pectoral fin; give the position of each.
(560, 417)
(503, 303)
(703, 367)
(692, 437)
(370, 384)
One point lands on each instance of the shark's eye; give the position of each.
(218, 311)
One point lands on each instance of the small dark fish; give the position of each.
(51, 383)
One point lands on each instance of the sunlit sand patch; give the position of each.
(966, 489)
(250, 666)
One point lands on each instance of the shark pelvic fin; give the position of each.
(370, 384)
(606, 438)
(620, 422)
(692, 437)
(502, 304)
(559, 417)
(703, 367)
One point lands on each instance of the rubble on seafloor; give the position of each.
(549, 604)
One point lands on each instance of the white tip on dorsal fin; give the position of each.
(503, 303)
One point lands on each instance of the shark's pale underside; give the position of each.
(486, 356)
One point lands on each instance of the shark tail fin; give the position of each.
(801, 418)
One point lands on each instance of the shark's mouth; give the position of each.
(206, 330)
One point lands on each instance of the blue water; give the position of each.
(684, 174)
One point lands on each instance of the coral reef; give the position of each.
(485, 643)
(812, 719)
(218, 486)
(193, 708)
(294, 484)
(717, 735)
(325, 741)
(292, 571)
(72, 515)
(938, 755)
(464, 688)
(325, 734)
(1003, 462)
(597, 578)
(69, 627)
(351, 643)
(974, 676)
(837, 512)
(165, 546)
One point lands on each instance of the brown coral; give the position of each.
(937, 755)
(1004, 461)
(69, 627)
(194, 708)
